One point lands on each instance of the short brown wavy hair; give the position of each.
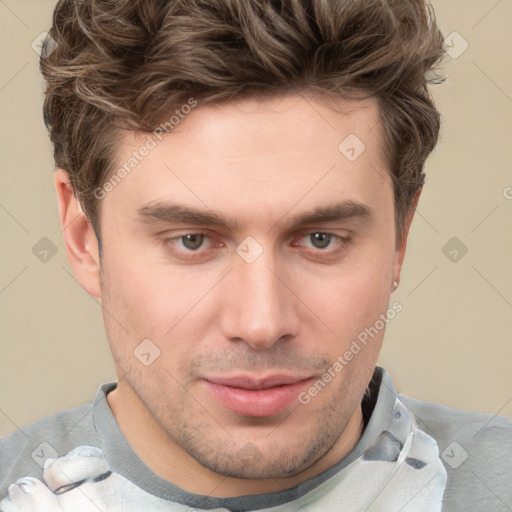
(129, 63)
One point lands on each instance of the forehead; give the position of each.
(268, 154)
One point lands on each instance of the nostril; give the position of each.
(24, 486)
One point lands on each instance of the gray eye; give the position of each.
(320, 240)
(193, 242)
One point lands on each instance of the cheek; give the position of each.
(350, 297)
(138, 284)
(171, 307)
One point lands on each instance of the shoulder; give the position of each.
(22, 453)
(476, 450)
(446, 422)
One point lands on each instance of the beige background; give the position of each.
(451, 344)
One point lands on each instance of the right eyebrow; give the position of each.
(174, 212)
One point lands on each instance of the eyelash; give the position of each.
(191, 255)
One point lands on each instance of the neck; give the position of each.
(169, 461)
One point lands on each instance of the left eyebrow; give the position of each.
(336, 212)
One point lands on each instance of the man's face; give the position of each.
(252, 252)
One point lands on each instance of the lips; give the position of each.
(251, 396)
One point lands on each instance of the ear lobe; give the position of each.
(400, 250)
(79, 237)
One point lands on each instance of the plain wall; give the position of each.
(450, 344)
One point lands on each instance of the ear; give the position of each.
(402, 245)
(79, 237)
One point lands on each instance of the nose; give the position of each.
(260, 306)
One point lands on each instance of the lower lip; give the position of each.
(263, 402)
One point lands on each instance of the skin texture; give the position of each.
(294, 310)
